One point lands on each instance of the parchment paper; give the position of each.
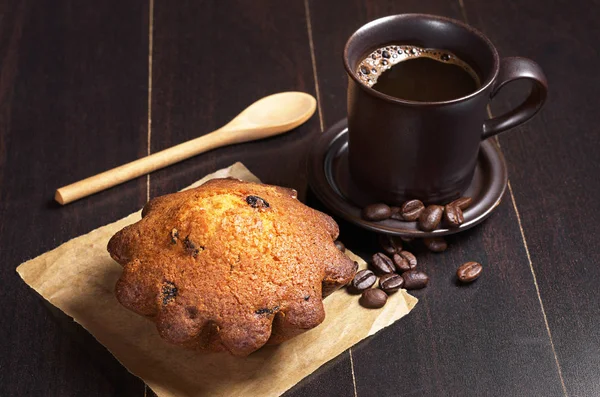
(79, 278)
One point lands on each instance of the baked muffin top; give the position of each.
(229, 265)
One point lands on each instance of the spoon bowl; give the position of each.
(285, 110)
(269, 116)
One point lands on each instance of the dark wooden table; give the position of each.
(85, 86)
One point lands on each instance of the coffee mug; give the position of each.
(401, 149)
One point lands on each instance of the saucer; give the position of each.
(330, 180)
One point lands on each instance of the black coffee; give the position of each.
(418, 74)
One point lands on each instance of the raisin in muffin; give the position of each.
(230, 265)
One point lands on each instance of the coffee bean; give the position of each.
(412, 260)
(435, 244)
(453, 216)
(390, 244)
(382, 263)
(376, 212)
(469, 272)
(463, 203)
(414, 279)
(430, 218)
(373, 298)
(396, 214)
(363, 280)
(339, 245)
(391, 282)
(411, 210)
(401, 263)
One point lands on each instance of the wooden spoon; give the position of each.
(269, 116)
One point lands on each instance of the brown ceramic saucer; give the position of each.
(330, 180)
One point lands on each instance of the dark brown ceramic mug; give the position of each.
(401, 149)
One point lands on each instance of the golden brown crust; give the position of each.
(229, 265)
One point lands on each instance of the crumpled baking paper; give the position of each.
(79, 278)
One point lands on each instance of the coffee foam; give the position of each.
(384, 58)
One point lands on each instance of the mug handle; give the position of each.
(511, 69)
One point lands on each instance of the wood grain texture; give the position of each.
(488, 338)
(210, 61)
(72, 103)
(554, 167)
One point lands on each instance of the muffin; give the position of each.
(230, 265)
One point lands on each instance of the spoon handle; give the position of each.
(145, 165)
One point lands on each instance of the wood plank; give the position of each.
(72, 103)
(488, 338)
(553, 163)
(210, 61)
